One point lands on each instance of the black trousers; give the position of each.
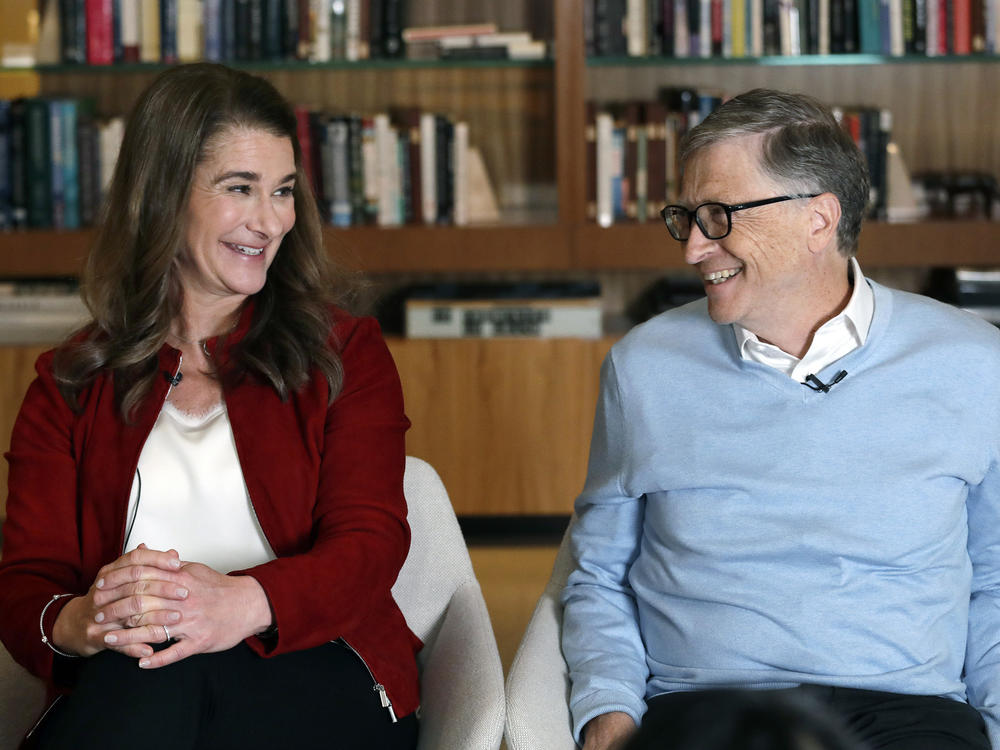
(850, 718)
(318, 698)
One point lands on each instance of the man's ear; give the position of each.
(824, 216)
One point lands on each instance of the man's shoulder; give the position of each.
(927, 315)
(669, 329)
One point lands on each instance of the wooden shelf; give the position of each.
(370, 249)
(542, 247)
(882, 245)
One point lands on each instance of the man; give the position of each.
(793, 483)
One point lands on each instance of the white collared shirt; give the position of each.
(839, 336)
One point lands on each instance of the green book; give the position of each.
(38, 168)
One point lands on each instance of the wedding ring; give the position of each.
(166, 634)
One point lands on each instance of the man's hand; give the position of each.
(608, 731)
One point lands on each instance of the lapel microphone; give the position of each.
(176, 379)
(815, 383)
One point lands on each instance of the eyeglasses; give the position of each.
(715, 220)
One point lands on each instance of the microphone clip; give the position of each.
(819, 386)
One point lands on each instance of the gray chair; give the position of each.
(461, 679)
(538, 685)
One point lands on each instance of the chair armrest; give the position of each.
(22, 698)
(461, 681)
(538, 685)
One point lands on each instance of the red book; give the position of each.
(961, 17)
(590, 136)
(100, 34)
(304, 133)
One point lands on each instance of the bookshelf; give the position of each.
(528, 119)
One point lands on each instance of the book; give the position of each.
(444, 133)
(321, 47)
(100, 43)
(189, 30)
(428, 168)
(38, 165)
(32, 314)
(73, 31)
(407, 120)
(460, 161)
(18, 129)
(149, 42)
(89, 162)
(131, 30)
(605, 168)
(535, 310)
(590, 137)
(168, 31)
(6, 220)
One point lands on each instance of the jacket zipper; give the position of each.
(38, 723)
(378, 686)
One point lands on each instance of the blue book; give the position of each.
(212, 29)
(168, 31)
(869, 27)
(70, 163)
(57, 139)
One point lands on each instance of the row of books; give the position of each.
(105, 32)
(56, 160)
(39, 312)
(632, 162)
(755, 28)
(406, 166)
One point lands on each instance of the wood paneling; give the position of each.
(506, 423)
(17, 370)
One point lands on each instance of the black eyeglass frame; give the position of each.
(692, 213)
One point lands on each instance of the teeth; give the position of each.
(249, 250)
(717, 277)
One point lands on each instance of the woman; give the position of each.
(205, 511)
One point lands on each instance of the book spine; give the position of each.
(38, 167)
(5, 171)
(356, 169)
(393, 23)
(654, 120)
(273, 37)
(340, 195)
(149, 44)
(168, 31)
(73, 31)
(962, 27)
(131, 31)
(460, 160)
(428, 168)
(189, 30)
(117, 45)
(212, 29)
(71, 164)
(290, 28)
(369, 161)
(352, 30)
(320, 25)
(100, 46)
(605, 168)
(89, 167)
(18, 164)
(635, 28)
(869, 34)
(387, 172)
(443, 147)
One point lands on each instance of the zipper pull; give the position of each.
(386, 703)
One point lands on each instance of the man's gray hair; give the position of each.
(804, 149)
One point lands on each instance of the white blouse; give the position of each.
(189, 494)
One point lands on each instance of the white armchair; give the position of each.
(538, 685)
(461, 679)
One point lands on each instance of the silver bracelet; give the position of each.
(41, 626)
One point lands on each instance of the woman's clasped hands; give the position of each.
(148, 597)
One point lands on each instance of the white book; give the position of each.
(682, 38)
(428, 168)
(189, 30)
(110, 134)
(131, 24)
(319, 16)
(605, 168)
(931, 39)
(705, 28)
(823, 45)
(149, 36)
(387, 148)
(896, 45)
(508, 318)
(635, 28)
(353, 30)
(757, 28)
(461, 174)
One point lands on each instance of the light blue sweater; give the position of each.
(739, 529)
